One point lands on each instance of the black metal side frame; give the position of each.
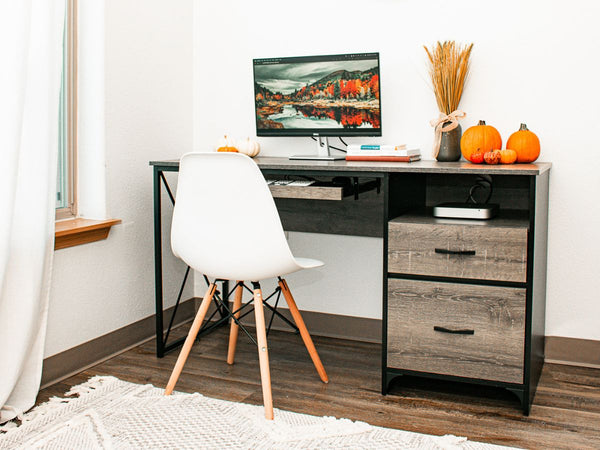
(221, 301)
(162, 347)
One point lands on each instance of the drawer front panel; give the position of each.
(456, 329)
(307, 192)
(459, 251)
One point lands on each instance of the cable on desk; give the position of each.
(331, 146)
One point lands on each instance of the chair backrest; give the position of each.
(225, 222)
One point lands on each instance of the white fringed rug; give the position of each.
(110, 413)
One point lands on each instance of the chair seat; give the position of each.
(233, 270)
(264, 271)
(309, 263)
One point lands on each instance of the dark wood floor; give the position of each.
(565, 414)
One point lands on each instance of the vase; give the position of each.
(450, 144)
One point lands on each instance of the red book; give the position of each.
(383, 158)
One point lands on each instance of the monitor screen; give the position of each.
(332, 95)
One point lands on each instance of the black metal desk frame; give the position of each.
(162, 336)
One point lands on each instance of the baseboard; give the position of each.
(572, 351)
(76, 359)
(325, 324)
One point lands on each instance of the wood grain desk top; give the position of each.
(459, 167)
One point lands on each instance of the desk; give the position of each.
(399, 190)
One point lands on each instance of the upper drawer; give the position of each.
(496, 250)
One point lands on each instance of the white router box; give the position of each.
(466, 210)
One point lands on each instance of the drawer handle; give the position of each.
(448, 330)
(443, 251)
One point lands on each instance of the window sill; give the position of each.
(69, 233)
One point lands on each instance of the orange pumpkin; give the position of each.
(226, 144)
(482, 137)
(525, 143)
(508, 156)
(477, 156)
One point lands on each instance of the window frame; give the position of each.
(70, 211)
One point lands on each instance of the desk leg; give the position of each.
(386, 217)
(160, 345)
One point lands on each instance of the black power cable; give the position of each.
(482, 182)
(331, 146)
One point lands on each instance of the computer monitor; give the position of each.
(327, 95)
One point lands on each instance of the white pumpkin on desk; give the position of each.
(248, 147)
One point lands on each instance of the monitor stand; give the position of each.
(323, 152)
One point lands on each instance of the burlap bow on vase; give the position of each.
(451, 121)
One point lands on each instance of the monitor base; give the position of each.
(319, 157)
(323, 153)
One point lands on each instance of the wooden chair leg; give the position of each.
(308, 343)
(263, 353)
(189, 341)
(233, 332)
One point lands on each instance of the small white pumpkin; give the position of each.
(248, 147)
(226, 141)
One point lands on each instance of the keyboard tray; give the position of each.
(312, 192)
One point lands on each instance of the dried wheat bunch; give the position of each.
(448, 68)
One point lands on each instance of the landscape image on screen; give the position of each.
(318, 95)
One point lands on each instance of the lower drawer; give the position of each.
(455, 329)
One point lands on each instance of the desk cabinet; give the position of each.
(465, 298)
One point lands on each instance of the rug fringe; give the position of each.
(90, 385)
(54, 403)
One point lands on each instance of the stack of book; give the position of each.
(388, 153)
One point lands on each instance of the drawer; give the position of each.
(308, 192)
(483, 252)
(422, 316)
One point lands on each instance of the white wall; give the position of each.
(533, 62)
(103, 286)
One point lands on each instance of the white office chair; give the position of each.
(250, 246)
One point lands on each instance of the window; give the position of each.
(76, 230)
(66, 182)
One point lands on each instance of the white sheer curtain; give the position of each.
(31, 33)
